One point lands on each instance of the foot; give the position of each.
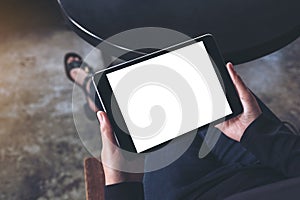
(79, 76)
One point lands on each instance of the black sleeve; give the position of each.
(125, 191)
(274, 145)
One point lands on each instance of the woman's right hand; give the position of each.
(235, 127)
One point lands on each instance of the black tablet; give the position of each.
(157, 97)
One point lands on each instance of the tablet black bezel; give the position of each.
(107, 97)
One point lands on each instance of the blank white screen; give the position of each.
(136, 110)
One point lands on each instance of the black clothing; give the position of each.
(277, 149)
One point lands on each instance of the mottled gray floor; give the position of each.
(275, 79)
(40, 152)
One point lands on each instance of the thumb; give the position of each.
(244, 93)
(105, 128)
(241, 88)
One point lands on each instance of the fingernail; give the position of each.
(230, 64)
(100, 117)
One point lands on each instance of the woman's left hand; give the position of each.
(111, 155)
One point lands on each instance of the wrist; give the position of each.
(245, 123)
(115, 176)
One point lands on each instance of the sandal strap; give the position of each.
(75, 64)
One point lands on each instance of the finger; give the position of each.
(242, 89)
(105, 127)
(245, 95)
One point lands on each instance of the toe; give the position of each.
(71, 59)
(73, 73)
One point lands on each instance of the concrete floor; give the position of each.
(41, 154)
